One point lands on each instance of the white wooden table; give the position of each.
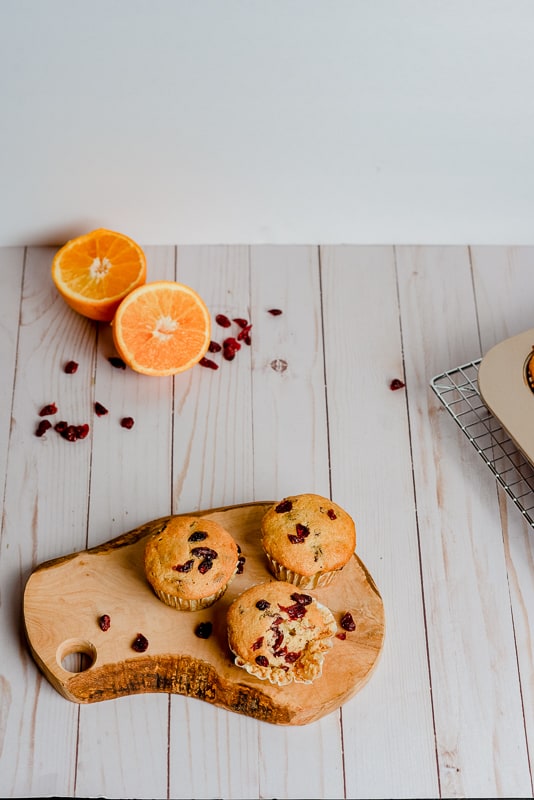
(449, 709)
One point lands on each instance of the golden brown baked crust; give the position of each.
(280, 634)
(307, 539)
(190, 563)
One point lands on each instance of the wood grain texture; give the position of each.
(65, 598)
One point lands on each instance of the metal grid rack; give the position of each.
(458, 391)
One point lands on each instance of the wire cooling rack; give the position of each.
(458, 391)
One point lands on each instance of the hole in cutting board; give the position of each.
(76, 655)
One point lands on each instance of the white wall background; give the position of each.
(232, 121)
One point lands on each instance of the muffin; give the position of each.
(279, 634)
(191, 562)
(529, 370)
(307, 540)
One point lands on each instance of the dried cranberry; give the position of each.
(127, 422)
(304, 599)
(48, 410)
(140, 643)
(294, 612)
(100, 410)
(70, 433)
(222, 320)
(279, 638)
(262, 661)
(187, 567)
(284, 506)
(42, 428)
(331, 513)
(104, 622)
(205, 566)
(240, 564)
(198, 536)
(302, 533)
(292, 657)
(241, 322)
(117, 362)
(71, 367)
(275, 312)
(341, 635)
(347, 622)
(396, 384)
(82, 431)
(244, 334)
(60, 426)
(230, 348)
(203, 630)
(258, 643)
(262, 604)
(207, 362)
(214, 347)
(204, 552)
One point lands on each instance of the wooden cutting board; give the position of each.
(65, 598)
(503, 386)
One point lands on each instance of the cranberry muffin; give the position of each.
(279, 634)
(191, 562)
(307, 540)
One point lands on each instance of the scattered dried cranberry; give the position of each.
(117, 362)
(71, 367)
(100, 410)
(341, 635)
(396, 384)
(140, 643)
(241, 322)
(284, 506)
(262, 604)
(104, 622)
(47, 410)
(205, 566)
(198, 536)
(70, 433)
(244, 334)
(230, 348)
(302, 533)
(187, 567)
(331, 513)
(262, 661)
(347, 622)
(258, 643)
(82, 431)
(42, 428)
(207, 362)
(60, 426)
(127, 422)
(275, 312)
(214, 347)
(292, 657)
(222, 320)
(203, 630)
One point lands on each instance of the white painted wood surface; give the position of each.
(449, 709)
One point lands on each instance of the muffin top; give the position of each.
(308, 534)
(279, 634)
(190, 558)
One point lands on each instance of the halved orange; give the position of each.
(162, 328)
(94, 272)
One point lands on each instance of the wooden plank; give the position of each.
(11, 273)
(212, 466)
(45, 515)
(130, 484)
(291, 456)
(503, 278)
(480, 735)
(387, 728)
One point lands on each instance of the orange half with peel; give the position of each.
(162, 328)
(94, 272)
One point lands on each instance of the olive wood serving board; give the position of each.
(504, 389)
(65, 598)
